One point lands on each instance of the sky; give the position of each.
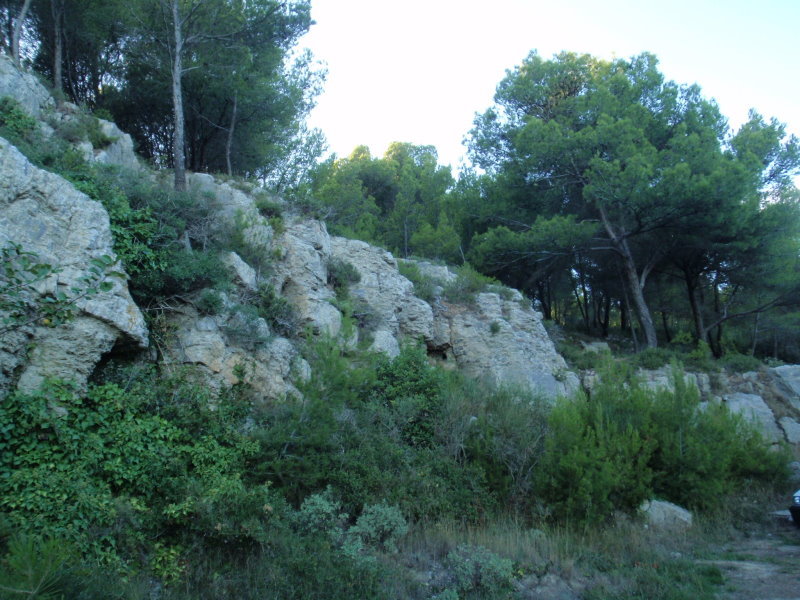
(419, 70)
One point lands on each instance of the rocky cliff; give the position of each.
(492, 334)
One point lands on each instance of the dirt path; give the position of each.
(762, 568)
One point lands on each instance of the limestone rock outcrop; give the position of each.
(397, 313)
(230, 348)
(46, 215)
(503, 339)
(24, 87)
(301, 275)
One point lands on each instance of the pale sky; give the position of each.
(418, 70)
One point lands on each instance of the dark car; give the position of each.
(795, 508)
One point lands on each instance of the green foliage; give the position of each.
(467, 285)
(741, 363)
(424, 287)
(22, 277)
(15, 123)
(183, 272)
(210, 302)
(629, 444)
(277, 311)
(342, 274)
(33, 568)
(653, 358)
(379, 527)
(479, 573)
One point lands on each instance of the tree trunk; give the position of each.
(57, 8)
(17, 33)
(755, 335)
(665, 325)
(178, 156)
(637, 297)
(229, 142)
(697, 309)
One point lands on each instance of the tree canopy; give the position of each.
(648, 174)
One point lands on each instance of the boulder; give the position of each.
(46, 215)
(119, 151)
(788, 377)
(659, 514)
(753, 408)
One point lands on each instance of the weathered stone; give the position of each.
(390, 296)
(788, 377)
(45, 214)
(791, 429)
(233, 210)
(242, 274)
(270, 365)
(302, 275)
(24, 87)
(754, 409)
(506, 342)
(665, 515)
(119, 150)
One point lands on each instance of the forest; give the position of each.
(619, 203)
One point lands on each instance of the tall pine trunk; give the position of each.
(178, 156)
(57, 8)
(229, 142)
(17, 33)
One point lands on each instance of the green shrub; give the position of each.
(379, 527)
(320, 514)
(341, 275)
(34, 568)
(741, 363)
(630, 443)
(183, 272)
(15, 123)
(580, 358)
(277, 311)
(479, 573)
(424, 287)
(652, 358)
(209, 303)
(467, 285)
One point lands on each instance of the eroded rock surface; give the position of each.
(46, 215)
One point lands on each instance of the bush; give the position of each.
(183, 272)
(342, 274)
(479, 573)
(741, 363)
(380, 527)
(630, 443)
(467, 285)
(277, 311)
(209, 303)
(424, 287)
(652, 358)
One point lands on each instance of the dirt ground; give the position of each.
(762, 567)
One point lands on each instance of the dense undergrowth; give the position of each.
(151, 478)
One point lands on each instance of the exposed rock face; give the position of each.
(23, 87)
(505, 341)
(788, 377)
(397, 311)
(233, 211)
(753, 408)
(665, 515)
(228, 349)
(791, 429)
(302, 275)
(48, 216)
(119, 151)
(497, 339)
